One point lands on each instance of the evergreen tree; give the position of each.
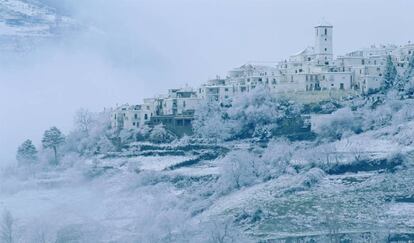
(52, 139)
(408, 79)
(390, 74)
(26, 152)
(409, 72)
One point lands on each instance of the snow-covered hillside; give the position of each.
(25, 22)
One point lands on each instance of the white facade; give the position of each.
(180, 101)
(336, 81)
(220, 90)
(312, 69)
(126, 117)
(324, 44)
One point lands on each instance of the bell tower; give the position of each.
(323, 44)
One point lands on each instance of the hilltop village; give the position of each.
(313, 70)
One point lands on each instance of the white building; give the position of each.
(313, 69)
(219, 90)
(180, 101)
(126, 117)
(324, 44)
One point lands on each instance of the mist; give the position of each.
(126, 50)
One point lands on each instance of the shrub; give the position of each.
(338, 124)
(160, 135)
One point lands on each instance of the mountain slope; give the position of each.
(23, 23)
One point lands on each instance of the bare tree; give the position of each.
(223, 231)
(83, 120)
(6, 227)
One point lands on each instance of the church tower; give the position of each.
(323, 44)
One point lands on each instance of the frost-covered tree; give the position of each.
(104, 145)
(211, 121)
(83, 120)
(92, 134)
(159, 134)
(338, 124)
(223, 231)
(390, 74)
(408, 77)
(26, 152)
(7, 227)
(257, 114)
(238, 169)
(52, 139)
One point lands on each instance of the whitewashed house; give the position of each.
(126, 117)
(314, 69)
(218, 90)
(180, 101)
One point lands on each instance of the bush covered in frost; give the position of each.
(338, 124)
(257, 114)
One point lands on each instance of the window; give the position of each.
(136, 116)
(226, 89)
(341, 86)
(146, 116)
(326, 49)
(133, 124)
(363, 62)
(326, 31)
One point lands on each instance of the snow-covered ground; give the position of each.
(153, 192)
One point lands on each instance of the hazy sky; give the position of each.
(132, 49)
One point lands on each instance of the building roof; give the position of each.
(324, 23)
(307, 51)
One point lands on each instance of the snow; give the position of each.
(158, 163)
(153, 163)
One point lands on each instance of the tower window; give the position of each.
(326, 31)
(326, 49)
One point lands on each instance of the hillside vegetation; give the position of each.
(260, 169)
